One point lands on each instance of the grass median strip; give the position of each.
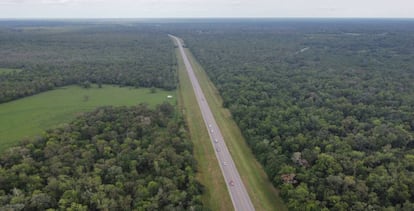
(216, 196)
(264, 196)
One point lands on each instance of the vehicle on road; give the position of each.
(215, 140)
(225, 163)
(238, 194)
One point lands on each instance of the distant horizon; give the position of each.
(206, 18)
(109, 9)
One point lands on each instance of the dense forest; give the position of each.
(110, 159)
(53, 54)
(326, 106)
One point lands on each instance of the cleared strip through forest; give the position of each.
(235, 186)
(259, 187)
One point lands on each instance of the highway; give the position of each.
(238, 193)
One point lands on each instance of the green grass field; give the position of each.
(264, 196)
(30, 116)
(8, 70)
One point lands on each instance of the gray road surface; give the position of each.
(238, 193)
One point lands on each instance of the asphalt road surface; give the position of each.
(238, 193)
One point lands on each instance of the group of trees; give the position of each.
(326, 106)
(110, 159)
(53, 55)
(132, 158)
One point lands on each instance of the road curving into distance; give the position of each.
(238, 193)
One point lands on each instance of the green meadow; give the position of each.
(8, 70)
(28, 117)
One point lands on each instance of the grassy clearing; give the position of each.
(216, 196)
(8, 70)
(264, 196)
(31, 115)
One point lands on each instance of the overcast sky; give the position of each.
(204, 8)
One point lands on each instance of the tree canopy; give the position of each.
(326, 106)
(54, 55)
(110, 159)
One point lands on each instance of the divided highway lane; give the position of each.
(238, 193)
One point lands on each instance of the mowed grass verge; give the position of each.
(264, 196)
(215, 195)
(29, 116)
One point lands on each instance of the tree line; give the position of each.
(326, 106)
(126, 158)
(51, 56)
